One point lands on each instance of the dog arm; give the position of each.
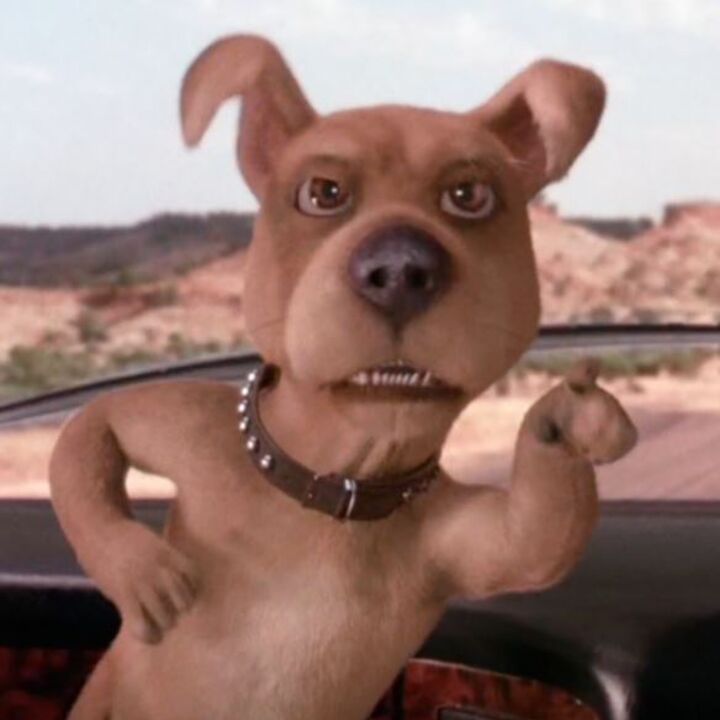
(150, 581)
(530, 536)
(526, 538)
(551, 508)
(87, 481)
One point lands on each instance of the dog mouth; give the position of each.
(398, 380)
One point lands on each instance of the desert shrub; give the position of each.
(100, 296)
(627, 363)
(647, 316)
(41, 369)
(161, 296)
(601, 315)
(180, 347)
(119, 360)
(35, 369)
(126, 277)
(708, 285)
(90, 328)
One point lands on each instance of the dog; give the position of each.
(314, 541)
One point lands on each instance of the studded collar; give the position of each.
(345, 498)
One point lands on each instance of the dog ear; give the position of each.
(545, 116)
(273, 105)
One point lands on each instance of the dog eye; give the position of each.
(322, 196)
(469, 200)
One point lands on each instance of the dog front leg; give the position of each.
(552, 503)
(528, 537)
(150, 582)
(551, 508)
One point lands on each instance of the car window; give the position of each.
(670, 393)
(120, 250)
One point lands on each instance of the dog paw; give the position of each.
(150, 581)
(587, 420)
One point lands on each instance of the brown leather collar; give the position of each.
(344, 498)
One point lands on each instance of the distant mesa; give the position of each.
(170, 245)
(706, 212)
(614, 228)
(162, 246)
(702, 212)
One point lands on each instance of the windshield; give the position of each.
(120, 250)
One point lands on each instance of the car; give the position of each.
(632, 632)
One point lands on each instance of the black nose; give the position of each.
(400, 270)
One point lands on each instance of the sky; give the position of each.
(89, 130)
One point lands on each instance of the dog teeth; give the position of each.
(396, 374)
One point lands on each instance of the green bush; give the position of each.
(28, 370)
(40, 369)
(90, 328)
(623, 363)
(161, 296)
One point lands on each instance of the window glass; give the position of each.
(119, 249)
(671, 393)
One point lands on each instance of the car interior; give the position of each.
(124, 258)
(632, 632)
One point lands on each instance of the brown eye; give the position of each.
(469, 200)
(322, 196)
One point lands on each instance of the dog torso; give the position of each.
(263, 639)
(390, 279)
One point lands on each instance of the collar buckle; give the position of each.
(350, 487)
(329, 486)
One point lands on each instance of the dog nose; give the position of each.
(400, 270)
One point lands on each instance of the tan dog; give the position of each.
(391, 279)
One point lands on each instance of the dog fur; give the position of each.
(250, 605)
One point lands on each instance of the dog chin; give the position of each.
(396, 416)
(397, 399)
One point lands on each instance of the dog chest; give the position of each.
(293, 621)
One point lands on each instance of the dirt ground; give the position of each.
(678, 455)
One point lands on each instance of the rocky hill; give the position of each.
(669, 272)
(150, 250)
(111, 298)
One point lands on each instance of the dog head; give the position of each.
(391, 265)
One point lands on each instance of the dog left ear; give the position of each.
(273, 105)
(545, 116)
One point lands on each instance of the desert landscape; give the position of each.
(106, 304)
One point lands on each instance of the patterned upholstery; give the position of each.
(41, 684)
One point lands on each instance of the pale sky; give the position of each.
(88, 92)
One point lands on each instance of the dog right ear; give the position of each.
(545, 116)
(273, 105)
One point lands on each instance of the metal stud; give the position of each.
(266, 462)
(252, 443)
(244, 424)
(242, 407)
(252, 376)
(245, 391)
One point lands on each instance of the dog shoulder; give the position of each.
(172, 404)
(463, 534)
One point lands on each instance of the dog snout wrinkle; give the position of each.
(400, 271)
